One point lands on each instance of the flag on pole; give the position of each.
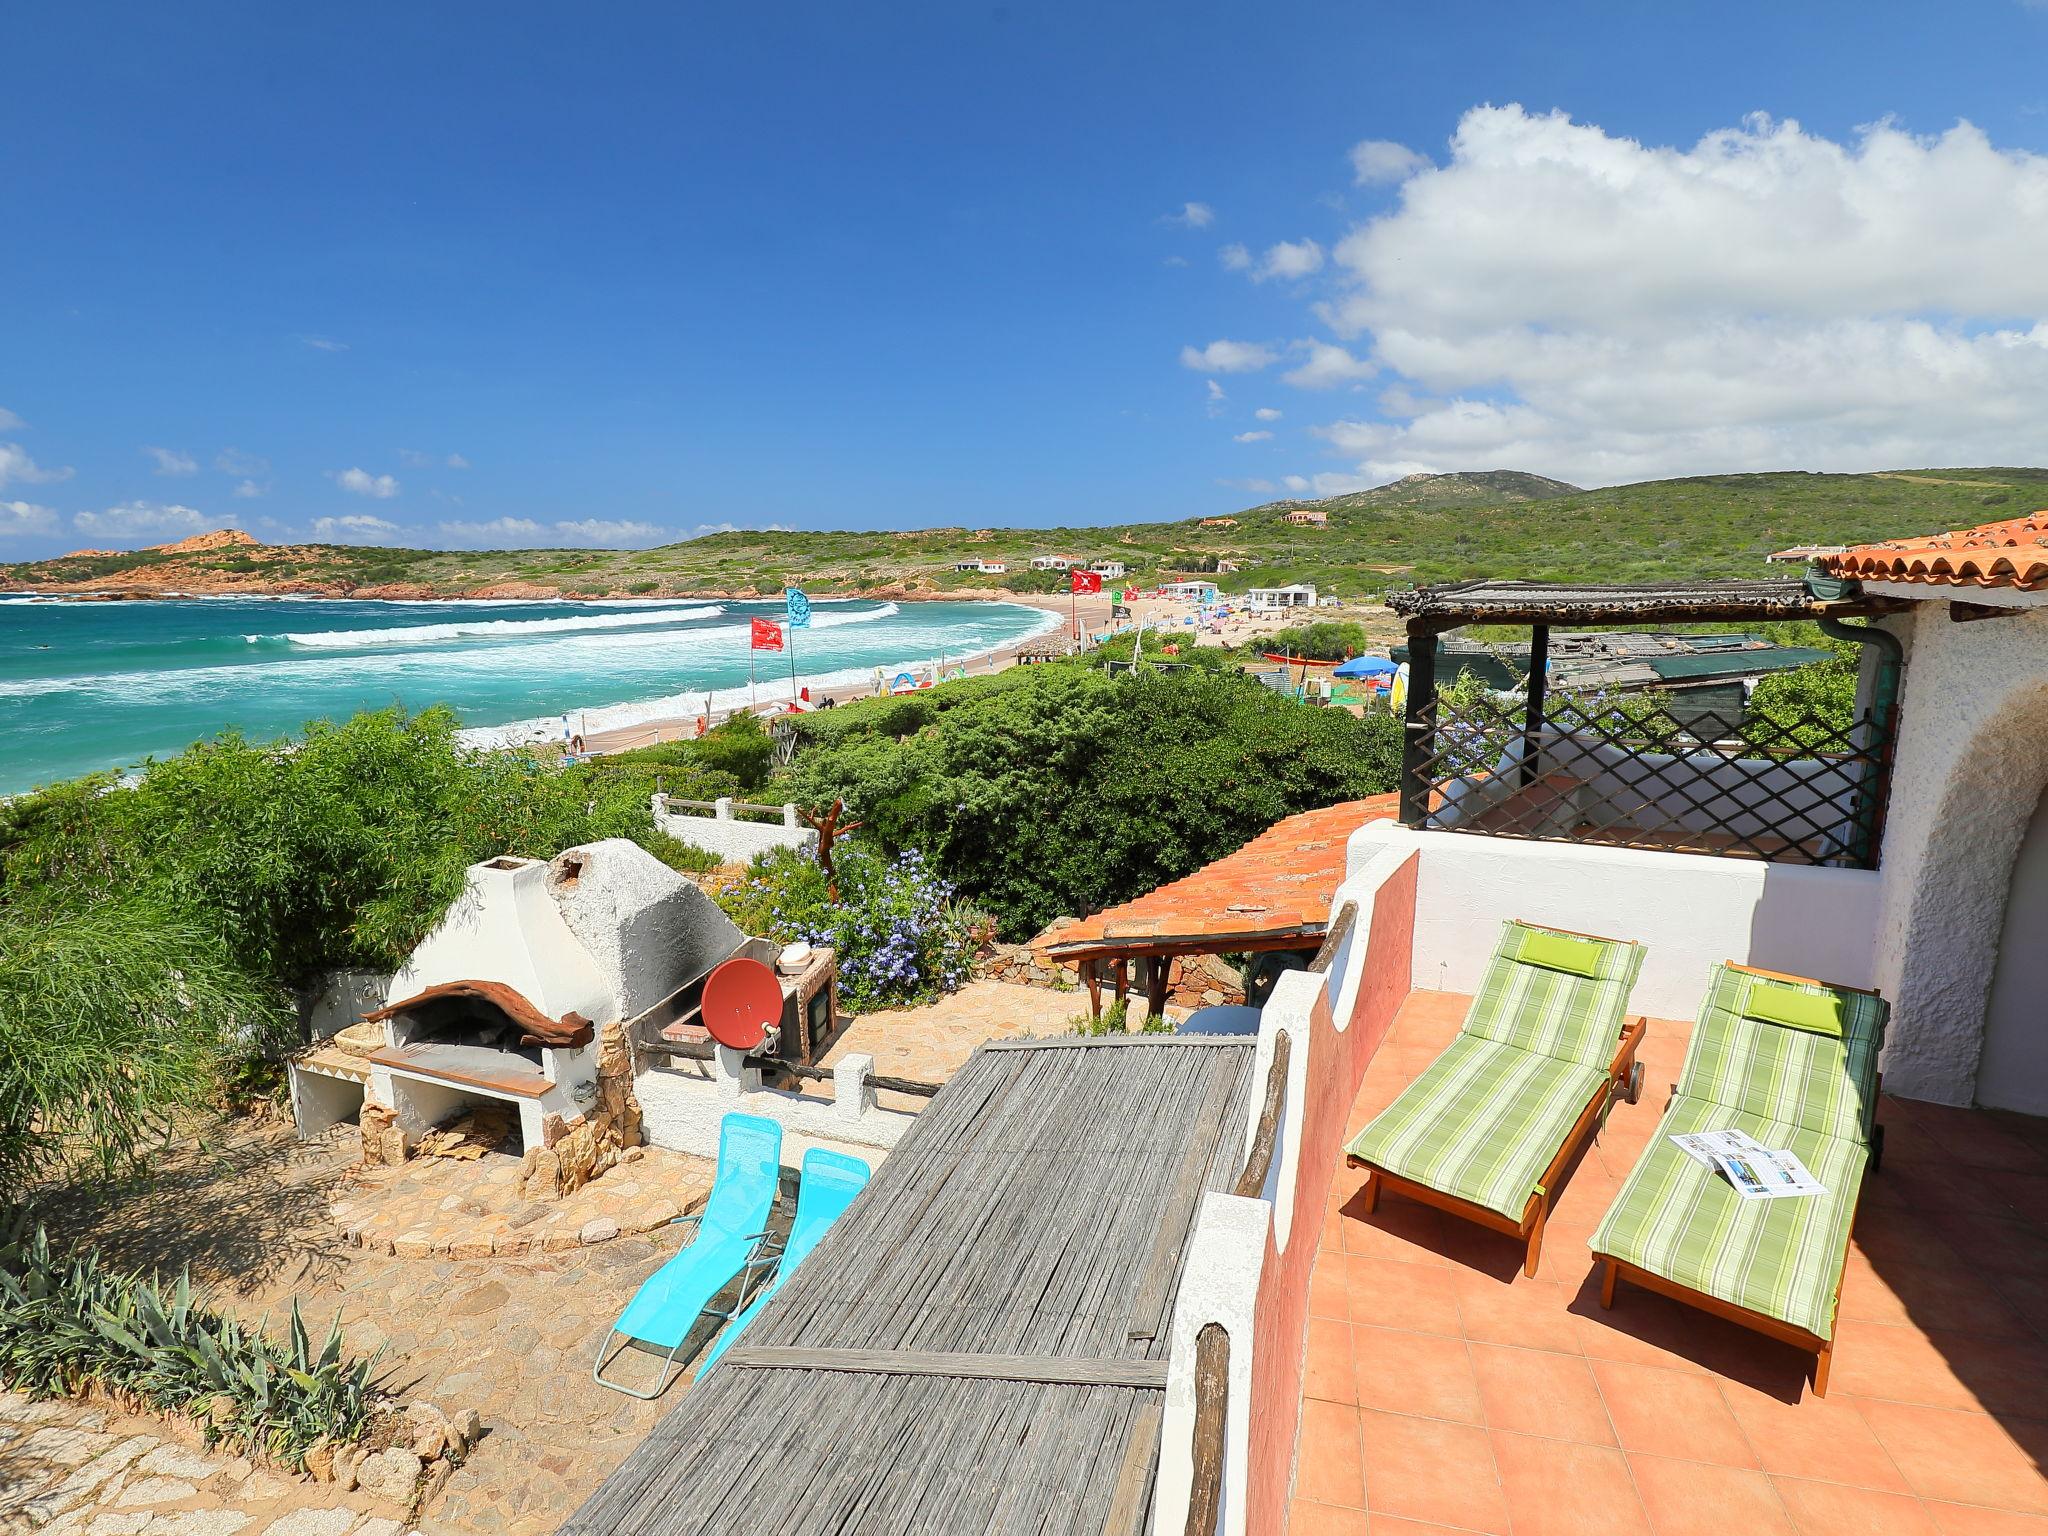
(799, 607)
(767, 635)
(1085, 581)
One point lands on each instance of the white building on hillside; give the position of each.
(1300, 595)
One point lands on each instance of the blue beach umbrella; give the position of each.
(1365, 666)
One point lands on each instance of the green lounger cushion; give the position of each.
(1528, 999)
(1482, 1122)
(1796, 1007)
(1820, 1082)
(1783, 1258)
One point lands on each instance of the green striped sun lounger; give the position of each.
(1792, 1063)
(1490, 1125)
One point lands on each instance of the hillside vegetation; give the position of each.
(1424, 528)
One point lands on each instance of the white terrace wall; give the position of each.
(1691, 911)
(731, 839)
(683, 1101)
(1971, 762)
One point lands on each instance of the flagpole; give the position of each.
(791, 643)
(753, 704)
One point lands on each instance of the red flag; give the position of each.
(767, 635)
(1086, 581)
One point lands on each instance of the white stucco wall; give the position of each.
(1971, 761)
(506, 927)
(1691, 911)
(646, 928)
(733, 840)
(684, 1101)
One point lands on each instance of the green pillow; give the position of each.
(1559, 952)
(1794, 1007)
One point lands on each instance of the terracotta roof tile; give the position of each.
(2013, 553)
(1280, 882)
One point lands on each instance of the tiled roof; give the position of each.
(2013, 553)
(1279, 883)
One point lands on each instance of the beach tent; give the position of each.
(1365, 666)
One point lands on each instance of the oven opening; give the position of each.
(465, 1021)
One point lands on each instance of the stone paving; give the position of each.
(511, 1336)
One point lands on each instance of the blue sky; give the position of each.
(517, 274)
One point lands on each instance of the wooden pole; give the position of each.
(1420, 726)
(1532, 720)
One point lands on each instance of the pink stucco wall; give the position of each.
(1336, 1065)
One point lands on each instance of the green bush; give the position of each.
(67, 1323)
(1814, 704)
(900, 936)
(1056, 789)
(1324, 640)
(741, 747)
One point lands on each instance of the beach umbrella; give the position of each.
(1365, 666)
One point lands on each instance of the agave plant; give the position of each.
(67, 1322)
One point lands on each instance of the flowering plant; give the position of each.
(900, 935)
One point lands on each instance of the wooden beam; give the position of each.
(1419, 729)
(1212, 1412)
(1051, 1370)
(1532, 717)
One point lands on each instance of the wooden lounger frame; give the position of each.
(1530, 1226)
(1823, 1350)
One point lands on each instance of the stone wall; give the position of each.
(1196, 981)
(577, 1149)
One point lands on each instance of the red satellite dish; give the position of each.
(742, 1002)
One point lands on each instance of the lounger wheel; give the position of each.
(1635, 1082)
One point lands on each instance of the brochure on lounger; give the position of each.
(1757, 1172)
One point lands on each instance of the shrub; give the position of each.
(1324, 640)
(741, 747)
(899, 934)
(65, 1323)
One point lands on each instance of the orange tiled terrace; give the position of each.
(1445, 1391)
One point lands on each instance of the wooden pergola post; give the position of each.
(1419, 728)
(1532, 720)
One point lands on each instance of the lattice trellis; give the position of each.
(1631, 773)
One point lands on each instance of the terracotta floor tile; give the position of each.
(1833, 1509)
(1533, 1392)
(1928, 1296)
(1681, 1414)
(1644, 1328)
(1328, 1296)
(1977, 1141)
(1419, 1373)
(1390, 1293)
(1690, 1498)
(1899, 1364)
(1388, 1525)
(1969, 1520)
(1433, 1471)
(2025, 1194)
(1962, 1458)
(1326, 1364)
(1305, 1518)
(1534, 1314)
(2003, 1247)
(2005, 1376)
(1329, 1468)
(1399, 1229)
(2027, 1295)
(1823, 1438)
(1556, 1486)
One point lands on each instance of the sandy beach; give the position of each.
(1161, 615)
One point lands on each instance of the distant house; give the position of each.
(1189, 591)
(1053, 562)
(1110, 570)
(1299, 595)
(1226, 566)
(1303, 518)
(982, 567)
(1217, 522)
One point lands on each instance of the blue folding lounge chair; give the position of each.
(830, 1181)
(730, 1230)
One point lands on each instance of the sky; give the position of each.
(470, 275)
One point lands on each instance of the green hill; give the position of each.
(1423, 528)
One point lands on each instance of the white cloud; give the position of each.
(1191, 216)
(1215, 399)
(324, 343)
(1382, 162)
(1229, 357)
(1327, 367)
(363, 483)
(1266, 413)
(9, 422)
(498, 531)
(597, 530)
(703, 530)
(133, 520)
(1257, 487)
(15, 464)
(249, 490)
(1289, 261)
(1174, 261)
(456, 461)
(1253, 437)
(412, 458)
(169, 461)
(356, 528)
(1562, 299)
(22, 517)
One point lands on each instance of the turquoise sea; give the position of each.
(90, 685)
